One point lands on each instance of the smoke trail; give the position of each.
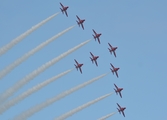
(4, 96)
(107, 116)
(17, 99)
(70, 113)
(39, 107)
(25, 34)
(33, 51)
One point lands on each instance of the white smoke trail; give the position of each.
(30, 91)
(39, 107)
(107, 116)
(70, 113)
(33, 51)
(5, 48)
(4, 96)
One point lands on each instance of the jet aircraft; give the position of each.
(64, 9)
(78, 66)
(121, 109)
(80, 22)
(112, 49)
(94, 58)
(96, 35)
(114, 70)
(118, 90)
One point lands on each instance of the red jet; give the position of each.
(118, 90)
(64, 9)
(78, 66)
(121, 109)
(96, 36)
(112, 49)
(80, 22)
(94, 58)
(114, 70)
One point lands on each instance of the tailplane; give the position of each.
(112, 71)
(94, 37)
(61, 10)
(110, 51)
(76, 67)
(78, 23)
(115, 91)
(91, 59)
(119, 111)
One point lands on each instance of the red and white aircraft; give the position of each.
(64, 9)
(112, 49)
(118, 90)
(96, 35)
(114, 70)
(80, 22)
(94, 58)
(78, 66)
(121, 109)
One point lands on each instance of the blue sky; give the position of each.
(137, 28)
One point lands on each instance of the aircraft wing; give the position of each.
(120, 94)
(116, 86)
(118, 105)
(96, 63)
(80, 70)
(109, 45)
(114, 53)
(116, 73)
(78, 17)
(98, 40)
(92, 54)
(62, 5)
(76, 61)
(123, 113)
(112, 66)
(94, 31)
(66, 13)
(82, 26)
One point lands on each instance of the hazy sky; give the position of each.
(137, 28)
